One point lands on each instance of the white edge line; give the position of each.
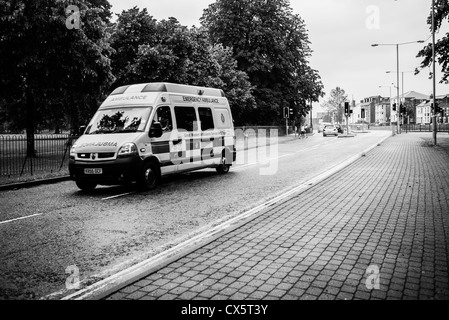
(119, 195)
(21, 218)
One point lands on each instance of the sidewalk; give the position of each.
(378, 229)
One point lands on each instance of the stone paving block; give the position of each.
(167, 297)
(344, 296)
(130, 289)
(188, 295)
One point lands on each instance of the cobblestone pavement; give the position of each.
(377, 229)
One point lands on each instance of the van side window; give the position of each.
(163, 115)
(186, 118)
(206, 119)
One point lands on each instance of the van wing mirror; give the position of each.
(81, 130)
(155, 130)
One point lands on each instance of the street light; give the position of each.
(402, 83)
(433, 75)
(391, 109)
(397, 65)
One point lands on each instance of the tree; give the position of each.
(235, 84)
(441, 52)
(132, 29)
(166, 51)
(46, 67)
(335, 104)
(271, 45)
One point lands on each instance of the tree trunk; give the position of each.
(30, 110)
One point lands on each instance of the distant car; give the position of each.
(321, 127)
(339, 128)
(330, 130)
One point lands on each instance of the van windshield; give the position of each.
(119, 120)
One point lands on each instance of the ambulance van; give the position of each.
(142, 132)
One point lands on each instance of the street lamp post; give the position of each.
(403, 98)
(391, 110)
(433, 76)
(397, 68)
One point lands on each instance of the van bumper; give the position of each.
(118, 171)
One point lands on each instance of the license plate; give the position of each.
(93, 171)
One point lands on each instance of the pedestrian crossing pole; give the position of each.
(286, 116)
(347, 117)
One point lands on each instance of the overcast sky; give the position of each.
(341, 33)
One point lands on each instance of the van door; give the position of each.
(188, 142)
(211, 140)
(162, 147)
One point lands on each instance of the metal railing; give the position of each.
(441, 127)
(51, 154)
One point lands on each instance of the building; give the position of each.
(411, 100)
(423, 112)
(443, 103)
(382, 111)
(371, 110)
(356, 115)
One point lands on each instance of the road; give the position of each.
(50, 229)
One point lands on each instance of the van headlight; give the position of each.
(128, 150)
(72, 152)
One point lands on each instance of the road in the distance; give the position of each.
(48, 228)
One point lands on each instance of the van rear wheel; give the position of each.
(86, 186)
(223, 167)
(150, 176)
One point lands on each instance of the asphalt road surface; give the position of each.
(51, 232)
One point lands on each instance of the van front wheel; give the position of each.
(150, 176)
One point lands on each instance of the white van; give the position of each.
(143, 132)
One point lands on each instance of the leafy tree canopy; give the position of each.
(335, 103)
(271, 45)
(48, 70)
(442, 45)
(168, 51)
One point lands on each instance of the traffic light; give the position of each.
(402, 108)
(286, 113)
(347, 108)
(394, 106)
(291, 112)
(437, 108)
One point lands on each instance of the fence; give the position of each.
(52, 154)
(441, 127)
(53, 151)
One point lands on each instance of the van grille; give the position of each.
(101, 155)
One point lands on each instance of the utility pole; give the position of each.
(397, 82)
(433, 77)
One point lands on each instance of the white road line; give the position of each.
(119, 195)
(21, 218)
(285, 155)
(39, 214)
